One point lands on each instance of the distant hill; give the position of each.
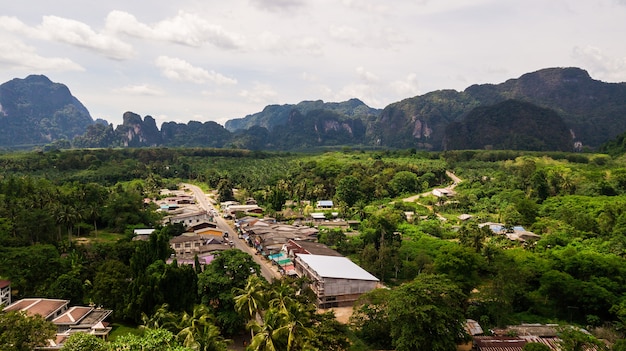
(509, 125)
(276, 115)
(35, 110)
(593, 111)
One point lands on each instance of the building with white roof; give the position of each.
(336, 281)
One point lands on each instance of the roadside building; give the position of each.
(5, 292)
(336, 281)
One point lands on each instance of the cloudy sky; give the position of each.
(217, 60)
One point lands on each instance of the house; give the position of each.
(142, 234)
(516, 233)
(5, 292)
(188, 218)
(325, 204)
(232, 209)
(443, 192)
(336, 281)
(68, 320)
(187, 244)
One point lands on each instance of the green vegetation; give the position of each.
(66, 220)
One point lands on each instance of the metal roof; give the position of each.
(336, 267)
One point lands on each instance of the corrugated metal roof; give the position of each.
(336, 267)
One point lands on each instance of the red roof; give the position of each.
(4, 283)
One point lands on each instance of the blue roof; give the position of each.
(325, 203)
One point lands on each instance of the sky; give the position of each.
(215, 60)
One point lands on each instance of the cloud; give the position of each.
(366, 76)
(185, 29)
(181, 70)
(18, 55)
(68, 31)
(409, 86)
(385, 37)
(277, 5)
(260, 93)
(140, 89)
(278, 44)
(596, 61)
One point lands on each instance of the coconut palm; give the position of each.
(252, 299)
(197, 331)
(266, 333)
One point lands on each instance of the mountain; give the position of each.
(276, 115)
(509, 125)
(592, 110)
(34, 110)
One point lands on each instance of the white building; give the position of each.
(336, 281)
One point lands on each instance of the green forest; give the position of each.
(67, 220)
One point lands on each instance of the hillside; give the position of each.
(509, 125)
(592, 110)
(275, 115)
(35, 110)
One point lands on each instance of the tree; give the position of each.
(198, 332)
(84, 342)
(348, 190)
(370, 318)
(575, 339)
(21, 332)
(535, 346)
(252, 299)
(229, 270)
(427, 314)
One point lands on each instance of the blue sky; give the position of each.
(217, 60)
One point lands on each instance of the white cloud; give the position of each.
(277, 5)
(409, 86)
(18, 55)
(181, 70)
(185, 28)
(346, 34)
(366, 76)
(260, 93)
(598, 63)
(384, 37)
(140, 89)
(71, 32)
(278, 44)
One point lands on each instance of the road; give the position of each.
(267, 269)
(456, 180)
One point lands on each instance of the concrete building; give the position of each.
(336, 281)
(5, 292)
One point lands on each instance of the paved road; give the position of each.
(268, 271)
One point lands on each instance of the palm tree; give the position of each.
(266, 333)
(252, 299)
(198, 332)
(297, 326)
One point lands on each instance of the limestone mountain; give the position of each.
(34, 110)
(592, 110)
(509, 125)
(277, 115)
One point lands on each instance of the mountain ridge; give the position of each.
(592, 111)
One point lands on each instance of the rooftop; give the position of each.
(336, 267)
(34, 306)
